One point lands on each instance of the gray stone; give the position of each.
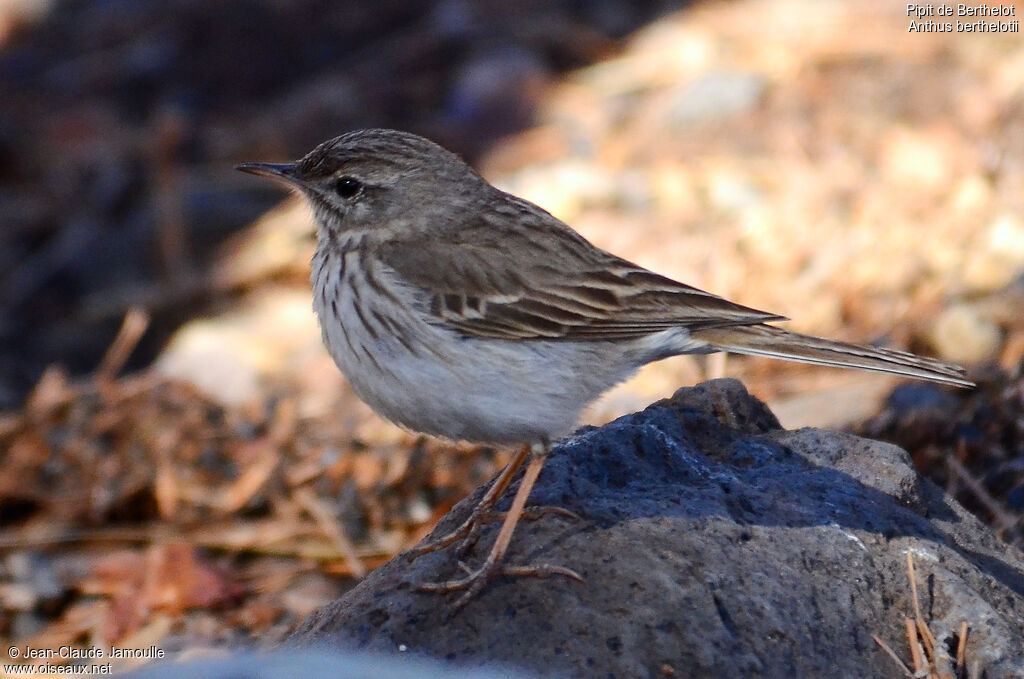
(713, 543)
(716, 95)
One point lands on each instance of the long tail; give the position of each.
(767, 340)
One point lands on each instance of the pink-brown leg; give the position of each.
(480, 512)
(483, 513)
(474, 581)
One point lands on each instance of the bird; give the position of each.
(458, 310)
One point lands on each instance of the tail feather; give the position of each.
(767, 340)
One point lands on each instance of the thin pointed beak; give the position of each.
(280, 171)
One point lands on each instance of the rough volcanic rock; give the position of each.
(713, 543)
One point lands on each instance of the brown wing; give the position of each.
(548, 282)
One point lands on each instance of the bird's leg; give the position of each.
(480, 511)
(715, 365)
(483, 514)
(492, 566)
(529, 514)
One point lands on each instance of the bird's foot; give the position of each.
(469, 530)
(475, 580)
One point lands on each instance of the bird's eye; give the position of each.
(347, 186)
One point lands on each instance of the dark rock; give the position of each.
(970, 442)
(713, 543)
(911, 396)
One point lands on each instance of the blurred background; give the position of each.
(180, 462)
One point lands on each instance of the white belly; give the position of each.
(472, 389)
(435, 381)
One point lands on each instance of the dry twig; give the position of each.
(132, 328)
(330, 525)
(929, 659)
(1004, 519)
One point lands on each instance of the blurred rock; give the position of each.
(1006, 236)
(963, 335)
(969, 441)
(228, 355)
(851, 400)
(913, 396)
(919, 160)
(999, 255)
(716, 95)
(498, 87)
(15, 14)
(709, 549)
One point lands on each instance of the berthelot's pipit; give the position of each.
(459, 310)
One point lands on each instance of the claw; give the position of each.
(483, 514)
(465, 529)
(474, 581)
(537, 511)
(468, 529)
(542, 571)
(530, 514)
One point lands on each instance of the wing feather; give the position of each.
(554, 285)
